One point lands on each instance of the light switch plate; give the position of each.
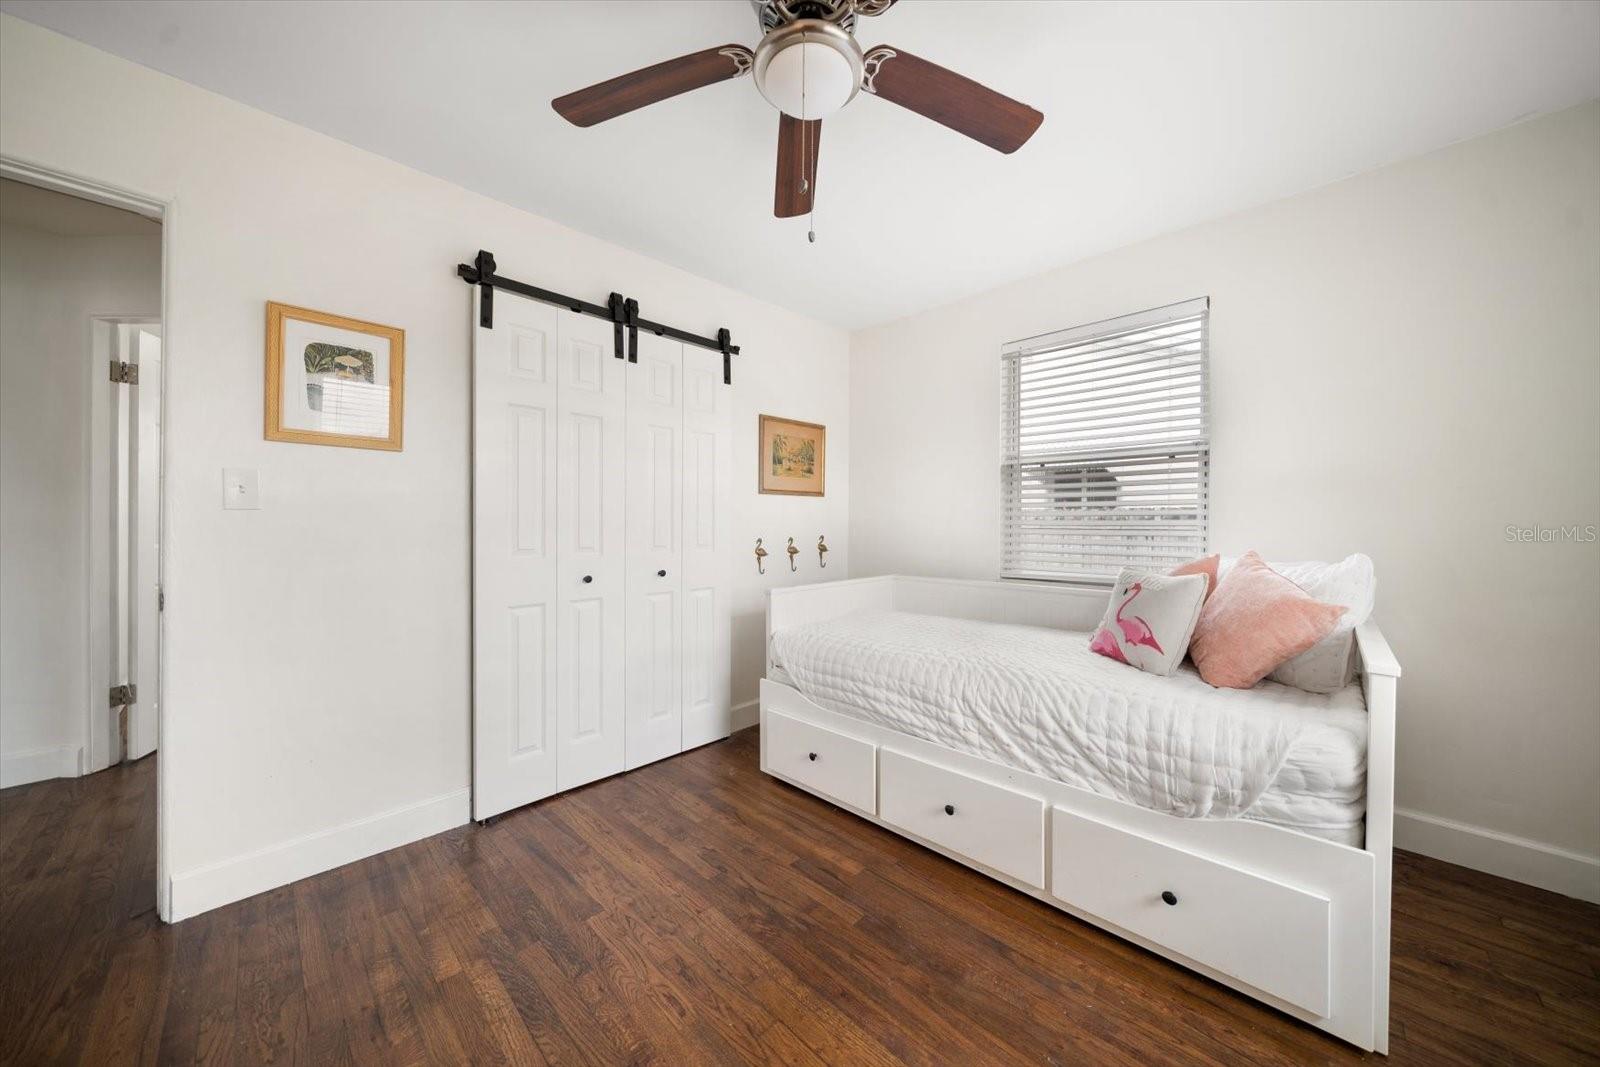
(240, 490)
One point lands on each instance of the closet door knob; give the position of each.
(1169, 896)
(949, 809)
(812, 756)
(587, 578)
(661, 574)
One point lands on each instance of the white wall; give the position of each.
(811, 390)
(1403, 363)
(50, 287)
(317, 670)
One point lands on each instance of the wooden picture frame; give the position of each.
(343, 384)
(792, 457)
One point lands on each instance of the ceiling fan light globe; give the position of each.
(809, 80)
(808, 69)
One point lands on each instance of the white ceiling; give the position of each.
(1157, 116)
(68, 216)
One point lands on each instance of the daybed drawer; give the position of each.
(839, 767)
(1264, 933)
(996, 826)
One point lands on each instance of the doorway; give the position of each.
(81, 393)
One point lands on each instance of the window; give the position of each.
(1105, 446)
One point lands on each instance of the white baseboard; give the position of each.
(38, 764)
(1534, 862)
(212, 886)
(746, 715)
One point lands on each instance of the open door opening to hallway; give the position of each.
(80, 507)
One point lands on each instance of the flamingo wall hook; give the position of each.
(761, 558)
(793, 552)
(822, 551)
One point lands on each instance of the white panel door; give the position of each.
(707, 618)
(514, 602)
(654, 582)
(145, 577)
(590, 557)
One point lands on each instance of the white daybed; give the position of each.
(1270, 882)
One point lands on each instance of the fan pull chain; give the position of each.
(807, 154)
(811, 220)
(805, 186)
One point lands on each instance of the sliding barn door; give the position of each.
(654, 582)
(589, 551)
(600, 593)
(515, 603)
(707, 618)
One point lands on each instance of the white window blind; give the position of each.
(1105, 446)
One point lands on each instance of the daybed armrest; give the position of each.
(1380, 678)
(799, 604)
(1376, 655)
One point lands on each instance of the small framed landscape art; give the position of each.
(792, 456)
(333, 380)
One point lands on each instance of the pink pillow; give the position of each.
(1254, 621)
(1206, 565)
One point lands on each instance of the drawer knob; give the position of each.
(587, 578)
(949, 809)
(661, 574)
(1169, 897)
(812, 756)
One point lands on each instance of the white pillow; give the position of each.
(1150, 619)
(1329, 665)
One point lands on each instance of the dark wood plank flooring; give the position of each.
(695, 912)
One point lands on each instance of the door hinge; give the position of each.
(123, 694)
(126, 373)
(161, 600)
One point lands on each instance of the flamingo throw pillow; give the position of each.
(1150, 620)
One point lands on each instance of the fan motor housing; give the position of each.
(774, 13)
(809, 68)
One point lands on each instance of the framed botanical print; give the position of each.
(792, 456)
(333, 380)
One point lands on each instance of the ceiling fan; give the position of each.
(808, 65)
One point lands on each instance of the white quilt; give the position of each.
(1039, 700)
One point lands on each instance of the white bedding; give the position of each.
(1039, 700)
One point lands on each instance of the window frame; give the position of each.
(1175, 461)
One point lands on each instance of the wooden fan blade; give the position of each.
(629, 92)
(948, 98)
(797, 162)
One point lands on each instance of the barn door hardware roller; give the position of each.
(622, 312)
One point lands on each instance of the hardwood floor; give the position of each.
(694, 912)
